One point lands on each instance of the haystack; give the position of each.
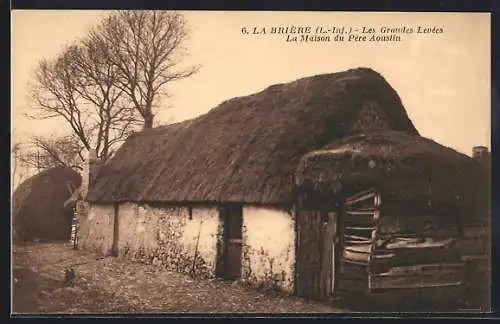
(409, 170)
(38, 210)
(246, 149)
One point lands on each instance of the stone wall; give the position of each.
(268, 248)
(95, 230)
(168, 236)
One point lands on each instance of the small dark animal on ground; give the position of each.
(69, 276)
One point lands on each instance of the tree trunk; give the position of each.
(148, 121)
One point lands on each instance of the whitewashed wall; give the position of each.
(269, 247)
(170, 237)
(202, 231)
(95, 231)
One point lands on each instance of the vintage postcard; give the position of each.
(176, 162)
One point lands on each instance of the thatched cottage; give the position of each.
(257, 188)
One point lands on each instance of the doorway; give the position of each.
(116, 227)
(316, 254)
(232, 218)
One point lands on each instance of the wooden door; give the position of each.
(315, 259)
(114, 247)
(233, 223)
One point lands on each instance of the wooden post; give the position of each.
(296, 290)
(75, 220)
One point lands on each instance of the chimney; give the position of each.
(90, 171)
(479, 152)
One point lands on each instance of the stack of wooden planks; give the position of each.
(418, 263)
(360, 232)
(371, 263)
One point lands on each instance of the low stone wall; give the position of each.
(268, 248)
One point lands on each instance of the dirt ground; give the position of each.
(110, 285)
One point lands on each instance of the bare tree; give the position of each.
(147, 47)
(79, 87)
(41, 153)
(96, 82)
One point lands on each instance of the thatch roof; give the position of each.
(247, 148)
(38, 210)
(409, 168)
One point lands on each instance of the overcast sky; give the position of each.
(442, 79)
